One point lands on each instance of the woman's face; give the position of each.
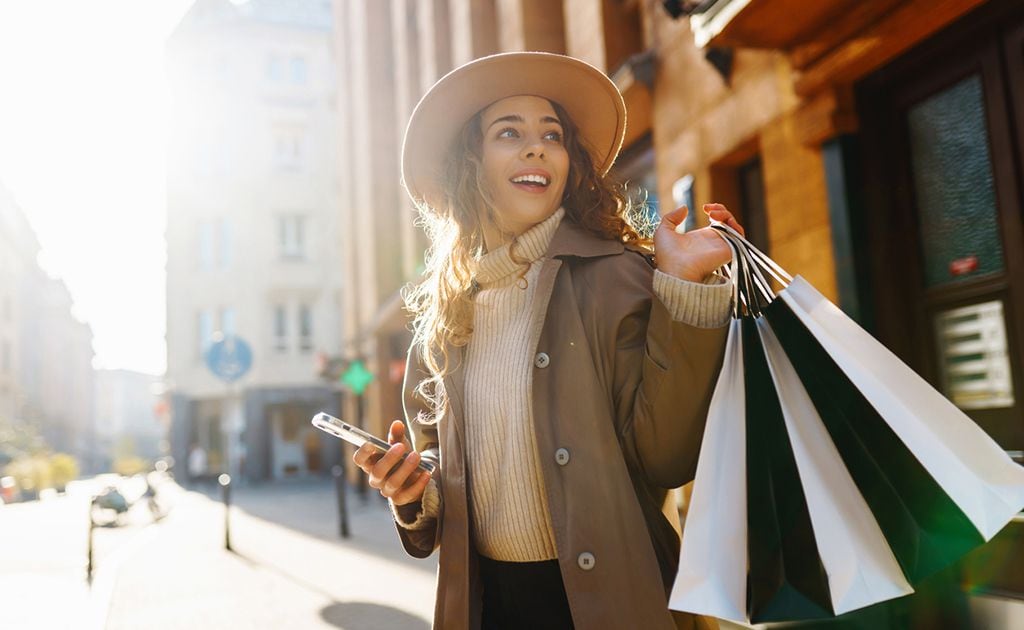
(525, 162)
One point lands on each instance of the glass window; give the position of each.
(955, 191)
(289, 146)
(305, 327)
(291, 231)
(227, 321)
(750, 180)
(682, 195)
(204, 331)
(225, 250)
(275, 67)
(206, 245)
(299, 70)
(280, 328)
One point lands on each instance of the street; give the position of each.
(289, 567)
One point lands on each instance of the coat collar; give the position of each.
(571, 239)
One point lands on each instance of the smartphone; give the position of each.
(355, 435)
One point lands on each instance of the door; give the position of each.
(944, 137)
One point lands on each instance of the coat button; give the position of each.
(541, 360)
(562, 456)
(586, 561)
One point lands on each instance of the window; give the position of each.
(750, 181)
(291, 236)
(289, 146)
(206, 245)
(300, 72)
(635, 167)
(225, 250)
(305, 328)
(227, 321)
(204, 331)
(280, 328)
(275, 67)
(215, 244)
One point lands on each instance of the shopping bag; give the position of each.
(971, 468)
(874, 475)
(714, 579)
(925, 528)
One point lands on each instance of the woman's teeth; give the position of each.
(531, 179)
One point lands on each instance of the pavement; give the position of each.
(288, 568)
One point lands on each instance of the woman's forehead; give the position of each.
(525, 105)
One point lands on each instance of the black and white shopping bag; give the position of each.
(831, 476)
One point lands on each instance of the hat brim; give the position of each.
(590, 98)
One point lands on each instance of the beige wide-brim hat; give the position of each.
(590, 98)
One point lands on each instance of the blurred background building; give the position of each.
(872, 146)
(46, 373)
(129, 422)
(252, 232)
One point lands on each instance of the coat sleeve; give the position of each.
(663, 377)
(418, 525)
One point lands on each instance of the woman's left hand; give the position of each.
(693, 255)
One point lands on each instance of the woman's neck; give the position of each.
(496, 236)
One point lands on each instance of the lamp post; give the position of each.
(225, 483)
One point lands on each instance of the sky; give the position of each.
(83, 119)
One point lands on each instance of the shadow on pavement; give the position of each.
(368, 616)
(349, 615)
(309, 506)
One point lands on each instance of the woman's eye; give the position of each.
(508, 133)
(554, 136)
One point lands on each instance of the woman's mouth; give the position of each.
(533, 182)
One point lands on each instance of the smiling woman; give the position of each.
(525, 164)
(558, 380)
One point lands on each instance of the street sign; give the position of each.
(357, 377)
(229, 358)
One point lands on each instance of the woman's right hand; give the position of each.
(403, 484)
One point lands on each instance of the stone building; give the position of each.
(872, 146)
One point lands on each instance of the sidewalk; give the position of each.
(289, 567)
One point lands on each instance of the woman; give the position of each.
(559, 380)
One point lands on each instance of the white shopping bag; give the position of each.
(712, 575)
(969, 466)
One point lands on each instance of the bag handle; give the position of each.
(759, 257)
(747, 270)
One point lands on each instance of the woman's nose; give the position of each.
(533, 149)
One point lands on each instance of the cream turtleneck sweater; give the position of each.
(508, 503)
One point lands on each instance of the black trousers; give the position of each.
(524, 595)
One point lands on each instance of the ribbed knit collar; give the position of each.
(530, 245)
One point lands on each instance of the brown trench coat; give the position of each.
(626, 390)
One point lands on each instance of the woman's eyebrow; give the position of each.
(516, 118)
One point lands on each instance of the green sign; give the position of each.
(357, 377)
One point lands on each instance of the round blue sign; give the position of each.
(229, 358)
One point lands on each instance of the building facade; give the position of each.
(252, 233)
(127, 418)
(46, 372)
(873, 147)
